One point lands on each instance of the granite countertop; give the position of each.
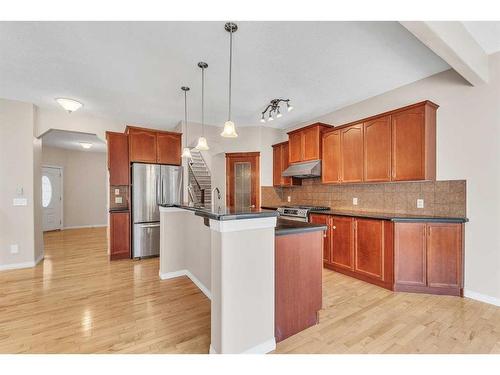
(226, 213)
(396, 217)
(284, 227)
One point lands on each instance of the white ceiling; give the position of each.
(486, 33)
(133, 71)
(71, 140)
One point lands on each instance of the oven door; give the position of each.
(294, 218)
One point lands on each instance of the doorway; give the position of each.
(52, 198)
(243, 180)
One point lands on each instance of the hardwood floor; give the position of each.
(76, 301)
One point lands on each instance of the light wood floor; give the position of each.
(78, 302)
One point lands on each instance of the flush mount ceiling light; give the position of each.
(69, 105)
(86, 145)
(273, 109)
(229, 128)
(202, 141)
(186, 152)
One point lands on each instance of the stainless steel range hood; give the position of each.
(306, 169)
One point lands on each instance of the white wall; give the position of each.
(468, 147)
(20, 156)
(84, 185)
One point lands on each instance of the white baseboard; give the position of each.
(15, 266)
(262, 348)
(85, 226)
(482, 297)
(194, 279)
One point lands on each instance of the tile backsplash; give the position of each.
(441, 198)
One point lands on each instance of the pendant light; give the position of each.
(229, 129)
(202, 141)
(186, 152)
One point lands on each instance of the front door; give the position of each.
(52, 198)
(243, 180)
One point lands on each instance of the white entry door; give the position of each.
(52, 198)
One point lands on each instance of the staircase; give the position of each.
(199, 178)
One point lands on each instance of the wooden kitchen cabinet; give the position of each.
(331, 165)
(377, 149)
(118, 161)
(414, 143)
(342, 240)
(280, 163)
(327, 235)
(351, 154)
(152, 146)
(119, 233)
(369, 248)
(429, 258)
(305, 143)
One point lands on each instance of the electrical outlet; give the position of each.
(289, 199)
(420, 203)
(117, 191)
(14, 248)
(118, 200)
(355, 201)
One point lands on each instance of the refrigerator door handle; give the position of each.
(157, 190)
(149, 225)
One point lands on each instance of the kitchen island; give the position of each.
(229, 255)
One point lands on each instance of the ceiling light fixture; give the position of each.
(186, 152)
(69, 105)
(202, 141)
(229, 128)
(86, 145)
(274, 107)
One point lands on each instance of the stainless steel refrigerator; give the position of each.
(152, 185)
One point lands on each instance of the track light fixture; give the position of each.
(273, 108)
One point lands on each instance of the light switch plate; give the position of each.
(289, 199)
(14, 248)
(117, 191)
(420, 203)
(20, 202)
(119, 200)
(355, 201)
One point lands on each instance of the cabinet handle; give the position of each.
(334, 227)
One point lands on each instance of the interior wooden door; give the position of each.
(342, 239)
(408, 145)
(377, 149)
(295, 147)
(369, 248)
(352, 153)
(243, 180)
(168, 148)
(410, 254)
(331, 157)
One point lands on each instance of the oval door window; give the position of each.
(46, 191)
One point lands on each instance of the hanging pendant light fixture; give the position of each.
(229, 128)
(202, 141)
(186, 152)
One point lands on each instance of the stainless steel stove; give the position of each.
(299, 213)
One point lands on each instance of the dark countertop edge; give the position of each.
(299, 230)
(226, 216)
(390, 217)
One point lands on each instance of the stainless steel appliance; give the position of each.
(299, 213)
(152, 184)
(308, 169)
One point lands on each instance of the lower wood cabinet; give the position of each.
(119, 235)
(324, 220)
(429, 258)
(342, 242)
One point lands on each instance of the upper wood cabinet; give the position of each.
(351, 145)
(305, 143)
(280, 163)
(151, 146)
(414, 143)
(331, 165)
(428, 257)
(377, 149)
(118, 162)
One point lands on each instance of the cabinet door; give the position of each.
(369, 248)
(119, 231)
(342, 238)
(352, 153)
(377, 149)
(168, 148)
(311, 140)
(142, 146)
(325, 220)
(118, 164)
(410, 254)
(331, 158)
(295, 145)
(284, 164)
(408, 145)
(277, 165)
(444, 255)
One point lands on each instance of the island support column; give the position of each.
(242, 315)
